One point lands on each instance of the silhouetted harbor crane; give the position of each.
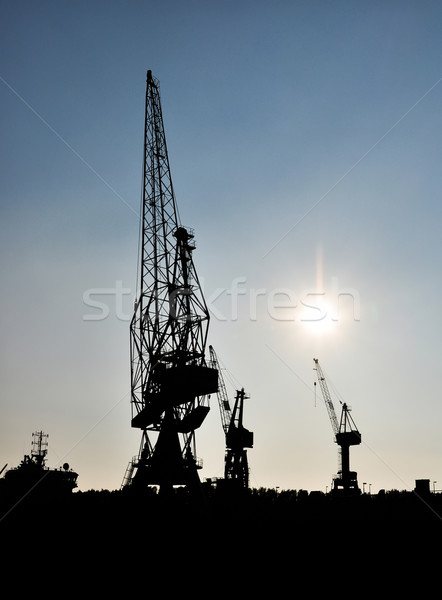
(346, 435)
(238, 438)
(170, 380)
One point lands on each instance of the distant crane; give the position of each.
(238, 438)
(170, 380)
(346, 435)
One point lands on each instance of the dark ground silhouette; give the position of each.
(101, 509)
(269, 539)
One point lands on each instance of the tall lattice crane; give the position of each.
(170, 380)
(238, 438)
(346, 435)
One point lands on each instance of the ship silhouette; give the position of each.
(32, 479)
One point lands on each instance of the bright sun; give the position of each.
(318, 319)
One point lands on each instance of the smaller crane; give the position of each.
(238, 438)
(346, 435)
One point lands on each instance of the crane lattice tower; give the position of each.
(170, 379)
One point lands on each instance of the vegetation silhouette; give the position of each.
(217, 506)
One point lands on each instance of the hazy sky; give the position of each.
(305, 148)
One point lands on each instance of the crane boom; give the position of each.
(327, 397)
(223, 400)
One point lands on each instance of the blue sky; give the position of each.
(304, 141)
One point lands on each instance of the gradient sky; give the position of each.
(305, 148)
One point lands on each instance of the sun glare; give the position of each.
(318, 319)
(318, 314)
